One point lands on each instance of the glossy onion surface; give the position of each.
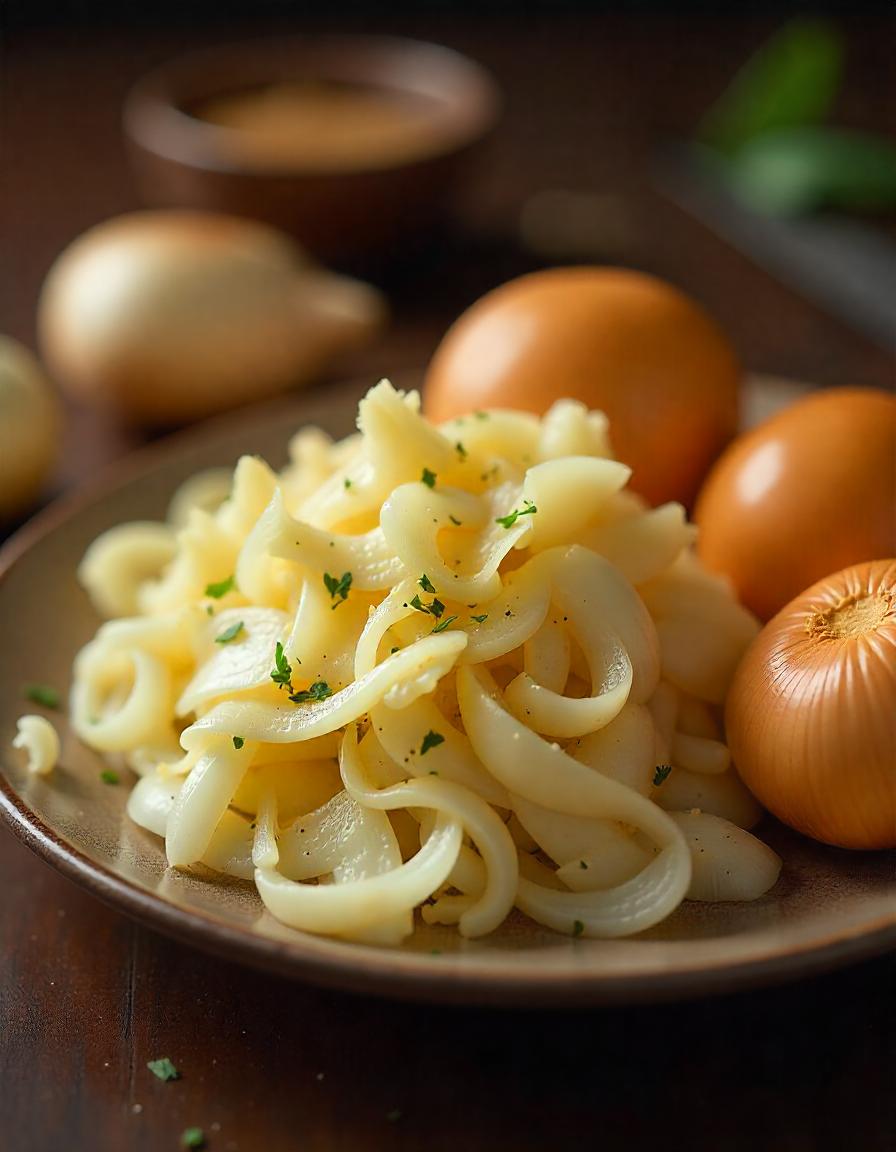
(811, 714)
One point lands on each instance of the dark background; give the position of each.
(86, 997)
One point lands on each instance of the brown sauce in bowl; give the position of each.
(322, 124)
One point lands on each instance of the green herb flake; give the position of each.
(230, 634)
(583, 865)
(319, 690)
(338, 587)
(431, 740)
(192, 1138)
(461, 451)
(443, 624)
(511, 518)
(480, 619)
(216, 591)
(209, 611)
(42, 694)
(428, 478)
(661, 774)
(577, 928)
(454, 520)
(436, 608)
(392, 651)
(425, 583)
(282, 674)
(346, 483)
(163, 1069)
(238, 742)
(109, 776)
(481, 415)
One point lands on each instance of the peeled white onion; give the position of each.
(29, 428)
(169, 316)
(728, 863)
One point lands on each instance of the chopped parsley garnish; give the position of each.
(282, 674)
(661, 773)
(109, 776)
(319, 690)
(347, 483)
(443, 624)
(192, 1138)
(392, 651)
(163, 1068)
(338, 587)
(480, 619)
(461, 451)
(428, 478)
(431, 740)
(577, 928)
(511, 518)
(583, 865)
(454, 520)
(238, 742)
(481, 415)
(230, 634)
(425, 583)
(42, 694)
(216, 591)
(436, 608)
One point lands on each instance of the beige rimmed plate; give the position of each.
(828, 908)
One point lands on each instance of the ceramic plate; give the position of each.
(829, 906)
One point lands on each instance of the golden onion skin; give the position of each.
(622, 341)
(809, 491)
(811, 715)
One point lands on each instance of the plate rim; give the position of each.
(366, 969)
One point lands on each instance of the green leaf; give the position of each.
(230, 634)
(338, 586)
(192, 1138)
(428, 478)
(42, 694)
(511, 518)
(661, 774)
(443, 624)
(216, 591)
(425, 583)
(282, 674)
(791, 81)
(163, 1069)
(110, 776)
(319, 690)
(796, 171)
(238, 742)
(431, 740)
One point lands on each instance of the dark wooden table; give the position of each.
(86, 997)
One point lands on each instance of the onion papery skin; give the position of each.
(811, 715)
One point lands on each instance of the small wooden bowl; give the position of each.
(344, 214)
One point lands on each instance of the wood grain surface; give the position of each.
(87, 998)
